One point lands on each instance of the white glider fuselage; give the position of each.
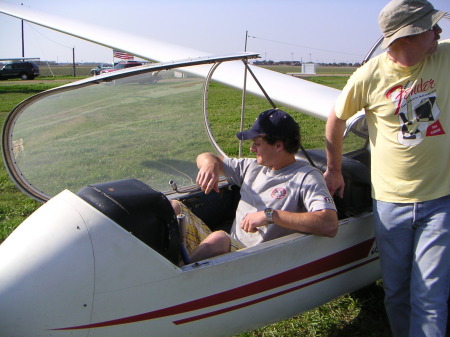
(96, 279)
(70, 270)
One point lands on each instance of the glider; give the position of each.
(101, 256)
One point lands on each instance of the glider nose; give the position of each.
(46, 274)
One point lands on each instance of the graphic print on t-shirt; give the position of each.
(417, 112)
(278, 193)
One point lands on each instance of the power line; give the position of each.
(307, 47)
(46, 37)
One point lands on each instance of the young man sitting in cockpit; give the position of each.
(279, 195)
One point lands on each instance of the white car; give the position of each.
(96, 71)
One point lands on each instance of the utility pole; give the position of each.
(244, 89)
(23, 41)
(246, 36)
(73, 60)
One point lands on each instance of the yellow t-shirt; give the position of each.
(408, 114)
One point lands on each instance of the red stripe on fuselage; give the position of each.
(265, 298)
(337, 260)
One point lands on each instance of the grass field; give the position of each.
(82, 70)
(357, 314)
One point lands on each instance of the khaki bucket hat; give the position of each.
(400, 18)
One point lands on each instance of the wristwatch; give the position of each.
(268, 212)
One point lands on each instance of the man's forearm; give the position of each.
(334, 142)
(209, 159)
(323, 223)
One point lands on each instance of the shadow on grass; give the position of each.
(371, 320)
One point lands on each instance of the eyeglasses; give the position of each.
(436, 26)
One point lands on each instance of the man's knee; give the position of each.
(217, 243)
(220, 242)
(176, 206)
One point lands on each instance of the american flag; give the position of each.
(122, 55)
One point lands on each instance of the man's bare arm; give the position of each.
(334, 141)
(323, 222)
(210, 168)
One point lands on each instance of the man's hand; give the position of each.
(252, 221)
(335, 183)
(210, 167)
(208, 177)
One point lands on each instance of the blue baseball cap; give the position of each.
(274, 122)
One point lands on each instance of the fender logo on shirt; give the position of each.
(278, 193)
(417, 112)
(402, 94)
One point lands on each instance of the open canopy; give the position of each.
(143, 122)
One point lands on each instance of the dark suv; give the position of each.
(23, 70)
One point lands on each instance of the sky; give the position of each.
(279, 30)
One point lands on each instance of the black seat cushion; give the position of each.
(139, 209)
(357, 192)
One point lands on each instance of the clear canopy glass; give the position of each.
(149, 126)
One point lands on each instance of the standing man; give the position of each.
(405, 93)
(279, 195)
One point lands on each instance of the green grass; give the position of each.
(109, 132)
(14, 205)
(65, 71)
(224, 124)
(320, 70)
(360, 314)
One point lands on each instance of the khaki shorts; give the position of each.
(197, 231)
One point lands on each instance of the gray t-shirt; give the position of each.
(298, 187)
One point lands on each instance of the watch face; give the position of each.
(269, 215)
